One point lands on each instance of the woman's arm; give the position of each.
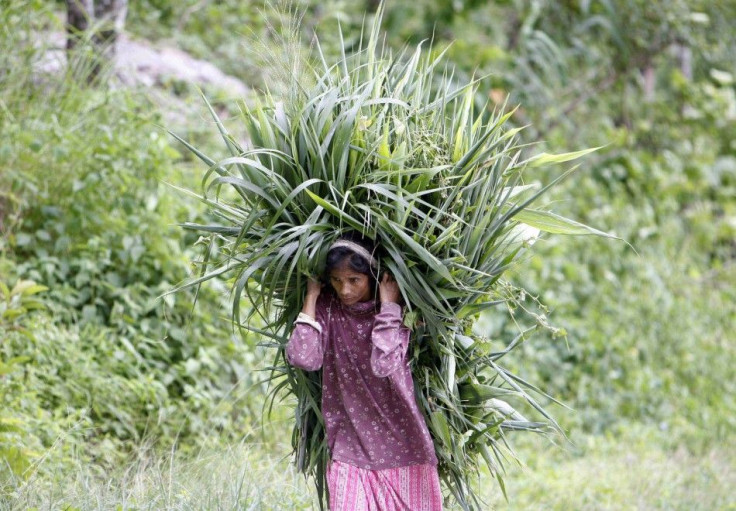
(305, 348)
(389, 337)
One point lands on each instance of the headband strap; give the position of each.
(358, 249)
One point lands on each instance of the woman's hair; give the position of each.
(340, 257)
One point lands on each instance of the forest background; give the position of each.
(113, 396)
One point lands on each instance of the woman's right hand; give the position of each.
(314, 288)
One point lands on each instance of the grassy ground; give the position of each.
(636, 471)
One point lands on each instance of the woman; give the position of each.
(382, 456)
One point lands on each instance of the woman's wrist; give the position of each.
(311, 301)
(310, 305)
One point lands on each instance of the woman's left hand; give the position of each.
(388, 289)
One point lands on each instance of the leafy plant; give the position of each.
(16, 304)
(392, 148)
(107, 364)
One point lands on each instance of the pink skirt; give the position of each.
(412, 488)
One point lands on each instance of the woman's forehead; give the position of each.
(345, 272)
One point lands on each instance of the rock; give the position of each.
(140, 62)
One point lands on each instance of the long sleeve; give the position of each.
(390, 340)
(305, 349)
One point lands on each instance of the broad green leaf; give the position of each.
(556, 224)
(440, 427)
(544, 159)
(337, 212)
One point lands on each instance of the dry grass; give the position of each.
(637, 471)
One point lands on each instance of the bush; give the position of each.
(109, 363)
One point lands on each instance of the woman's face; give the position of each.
(351, 287)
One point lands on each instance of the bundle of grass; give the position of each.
(394, 149)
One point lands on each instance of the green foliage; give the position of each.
(391, 148)
(17, 445)
(17, 302)
(107, 364)
(104, 365)
(646, 328)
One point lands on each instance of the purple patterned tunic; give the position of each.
(371, 415)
